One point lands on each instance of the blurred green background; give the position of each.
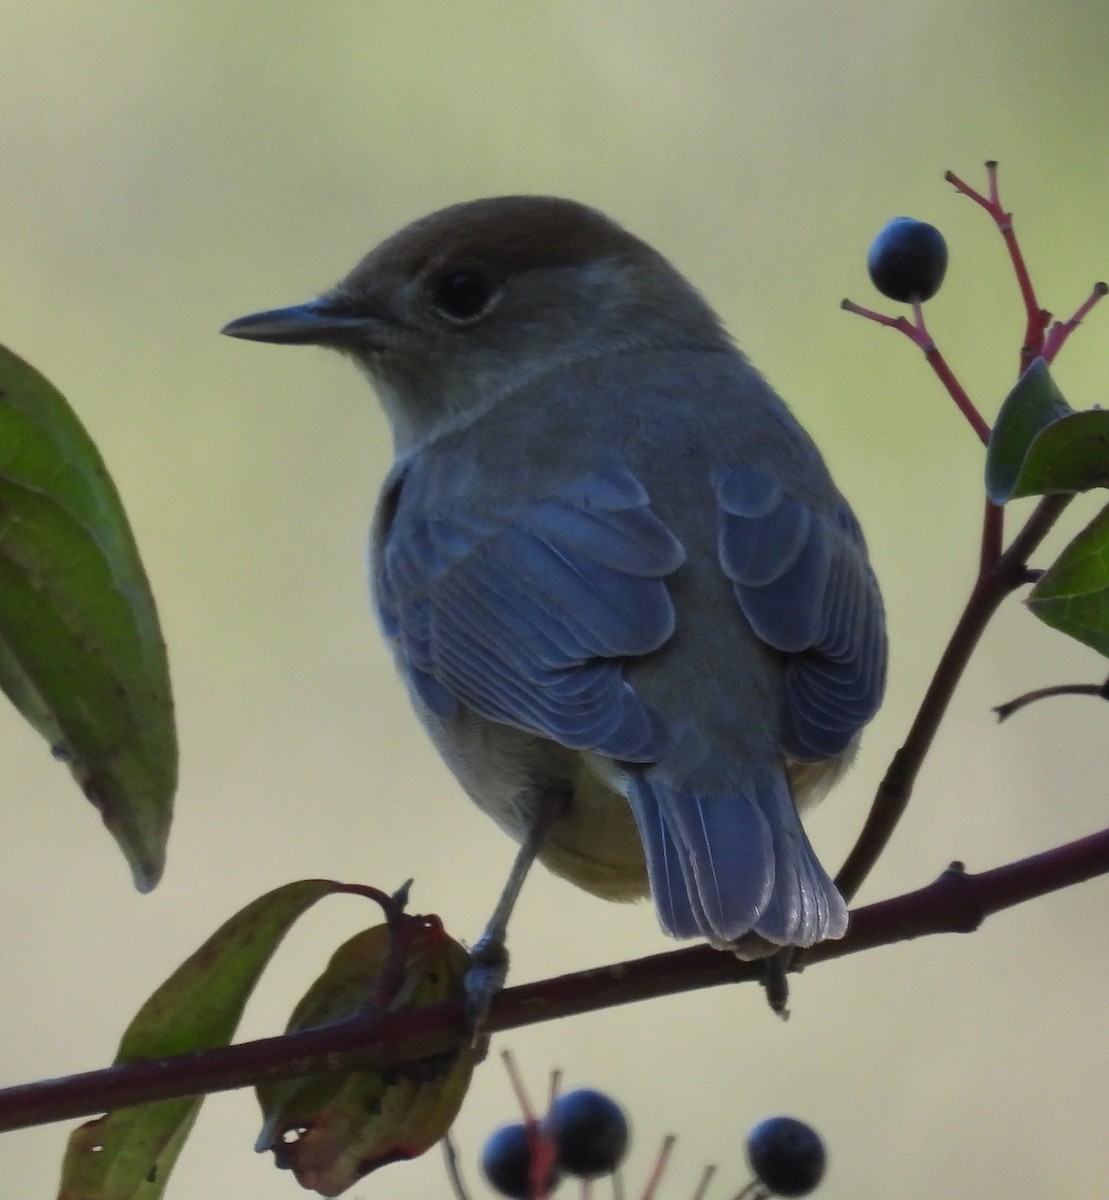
(170, 164)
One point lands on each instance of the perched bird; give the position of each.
(629, 604)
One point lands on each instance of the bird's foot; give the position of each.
(776, 961)
(485, 979)
(775, 980)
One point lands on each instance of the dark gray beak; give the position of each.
(317, 323)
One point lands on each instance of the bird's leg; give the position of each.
(776, 961)
(489, 956)
(775, 981)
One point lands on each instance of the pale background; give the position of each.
(166, 165)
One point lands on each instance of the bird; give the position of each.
(630, 607)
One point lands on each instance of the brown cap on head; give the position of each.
(507, 233)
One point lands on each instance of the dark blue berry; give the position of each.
(590, 1133)
(787, 1156)
(907, 260)
(506, 1162)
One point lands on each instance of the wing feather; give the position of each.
(524, 615)
(802, 579)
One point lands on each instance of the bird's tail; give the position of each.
(723, 866)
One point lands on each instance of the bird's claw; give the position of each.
(484, 980)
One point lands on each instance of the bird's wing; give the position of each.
(803, 581)
(524, 617)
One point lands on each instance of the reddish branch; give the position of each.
(1039, 340)
(999, 574)
(1036, 318)
(994, 583)
(956, 902)
(1061, 330)
(917, 333)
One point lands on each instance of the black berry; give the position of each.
(787, 1156)
(907, 260)
(506, 1162)
(590, 1133)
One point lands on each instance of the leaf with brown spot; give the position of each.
(331, 1130)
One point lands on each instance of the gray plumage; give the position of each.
(619, 583)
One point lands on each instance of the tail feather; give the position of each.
(742, 861)
(729, 885)
(672, 896)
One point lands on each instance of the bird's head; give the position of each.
(466, 305)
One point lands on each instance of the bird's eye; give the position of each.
(463, 295)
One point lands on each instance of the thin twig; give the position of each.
(655, 1177)
(1036, 318)
(454, 1172)
(540, 1147)
(518, 1089)
(957, 393)
(554, 1087)
(1100, 690)
(917, 333)
(1061, 330)
(703, 1185)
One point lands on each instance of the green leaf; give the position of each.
(1033, 404)
(129, 1154)
(331, 1130)
(81, 652)
(1069, 455)
(1073, 594)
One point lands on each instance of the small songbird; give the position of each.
(630, 606)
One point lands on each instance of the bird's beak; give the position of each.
(317, 323)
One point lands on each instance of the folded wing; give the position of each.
(525, 617)
(803, 581)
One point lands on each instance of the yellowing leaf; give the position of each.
(331, 1130)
